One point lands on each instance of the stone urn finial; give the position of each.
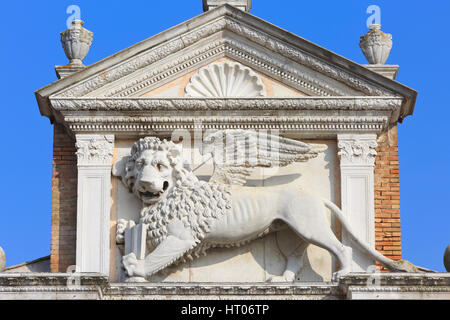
(447, 259)
(376, 45)
(2, 259)
(76, 42)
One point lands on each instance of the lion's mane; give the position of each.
(195, 203)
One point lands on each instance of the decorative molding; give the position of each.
(322, 124)
(255, 104)
(156, 76)
(268, 64)
(96, 286)
(275, 67)
(240, 28)
(225, 80)
(262, 62)
(329, 115)
(232, 289)
(94, 150)
(357, 150)
(303, 58)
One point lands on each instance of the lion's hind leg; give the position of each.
(293, 250)
(313, 226)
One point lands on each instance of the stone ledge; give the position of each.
(397, 279)
(45, 279)
(228, 290)
(22, 286)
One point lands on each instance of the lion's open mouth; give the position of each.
(148, 196)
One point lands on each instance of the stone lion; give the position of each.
(185, 216)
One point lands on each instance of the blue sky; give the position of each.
(29, 34)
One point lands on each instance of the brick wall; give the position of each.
(64, 201)
(387, 196)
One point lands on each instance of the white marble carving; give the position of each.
(357, 150)
(76, 42)
(376, 45)
(316, 116)
(95, 150)
(225, 79)
(185, 216)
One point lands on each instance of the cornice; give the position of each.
(325, 116)
(254, 104)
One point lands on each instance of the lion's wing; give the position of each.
(236, 153)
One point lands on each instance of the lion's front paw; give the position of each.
(275, 279)
(135, 279)
(120, 231)
(132, 265)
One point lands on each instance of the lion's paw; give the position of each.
(135, 279)
(275, 279)
(281, 279)
(130, 264)
(120, 231)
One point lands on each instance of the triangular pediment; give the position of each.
(177, 88)
(293, 65)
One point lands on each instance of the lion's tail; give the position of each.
(395, 266)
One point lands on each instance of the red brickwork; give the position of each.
(387, 196)
(64, 201)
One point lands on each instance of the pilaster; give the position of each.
(95, 153)
(357, 161)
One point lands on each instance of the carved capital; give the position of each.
(94, 150)
(357, 149)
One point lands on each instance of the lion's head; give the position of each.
(155, 173)
(152, 169)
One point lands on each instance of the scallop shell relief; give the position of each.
(223, 80)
